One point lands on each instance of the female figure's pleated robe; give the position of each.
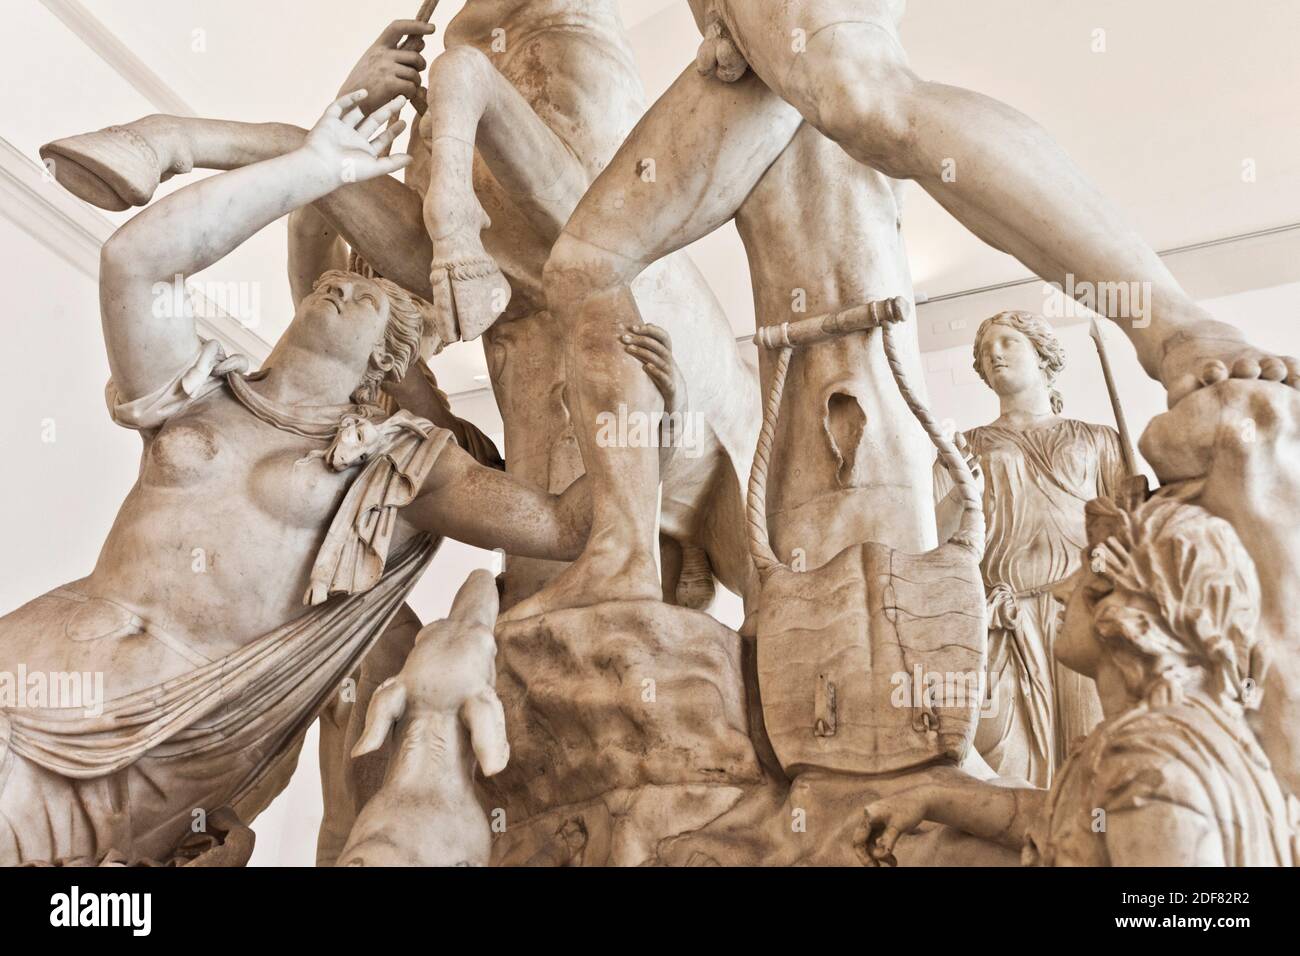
(1036, 483)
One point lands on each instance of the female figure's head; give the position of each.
(1169, 599)
(369, 327)
(1018, 354)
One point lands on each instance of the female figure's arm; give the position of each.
(314, 249)
(1000, 811)
(196, 226)
(491, 509)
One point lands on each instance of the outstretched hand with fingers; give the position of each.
(653, 348)
(345, 139)
(390, 66)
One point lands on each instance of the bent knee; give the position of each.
(460, 65)
(855, 85)
(577, 270)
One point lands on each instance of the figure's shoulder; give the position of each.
(1101, 434)
(1157, 754)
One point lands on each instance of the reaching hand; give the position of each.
(390, 67)
(651, 346)
(342, 139)
(884, 821)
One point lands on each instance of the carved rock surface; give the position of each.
(618, 696)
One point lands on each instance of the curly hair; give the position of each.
(408, 318)
(1051, 355)
(1189, 598)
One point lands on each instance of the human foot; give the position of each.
(1210, 352)
(602, 573)
(117, 167)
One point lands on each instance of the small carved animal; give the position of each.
(447, 715)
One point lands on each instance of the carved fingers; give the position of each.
(344, 138)
(884, 821)
(391, 66)
(416, 30)
(653, 348)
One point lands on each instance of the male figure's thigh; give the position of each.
(685, 169)
(774, 35)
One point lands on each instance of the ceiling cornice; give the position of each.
(34, 201)
(106, 45)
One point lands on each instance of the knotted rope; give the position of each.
(785, 337)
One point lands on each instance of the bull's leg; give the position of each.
(472, 106)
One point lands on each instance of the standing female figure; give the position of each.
(1038, 471)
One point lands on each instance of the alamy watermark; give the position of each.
(630, 428)
(943, 689)
(1121, 301)
(64, 690)
(208, 299)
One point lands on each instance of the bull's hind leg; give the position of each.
(472, 106)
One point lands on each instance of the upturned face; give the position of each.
(1009, 361)
(345, 316)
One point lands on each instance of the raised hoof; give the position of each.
(467, 298)
(113, 168)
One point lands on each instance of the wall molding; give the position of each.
(109, 48)
(1207, 270)
(34, 201)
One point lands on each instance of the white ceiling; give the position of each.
(1187, 90)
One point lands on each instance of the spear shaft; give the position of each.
(425, 13)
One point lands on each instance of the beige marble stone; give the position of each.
(1037, 470)
(443, 711)
(261, 552)
(543, 212)
(1165, 617)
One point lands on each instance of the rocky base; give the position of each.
(634, 741)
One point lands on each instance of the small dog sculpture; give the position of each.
(447, 715)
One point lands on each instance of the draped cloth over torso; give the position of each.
(1036, 483)
(1194, 757)
(207, 738)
